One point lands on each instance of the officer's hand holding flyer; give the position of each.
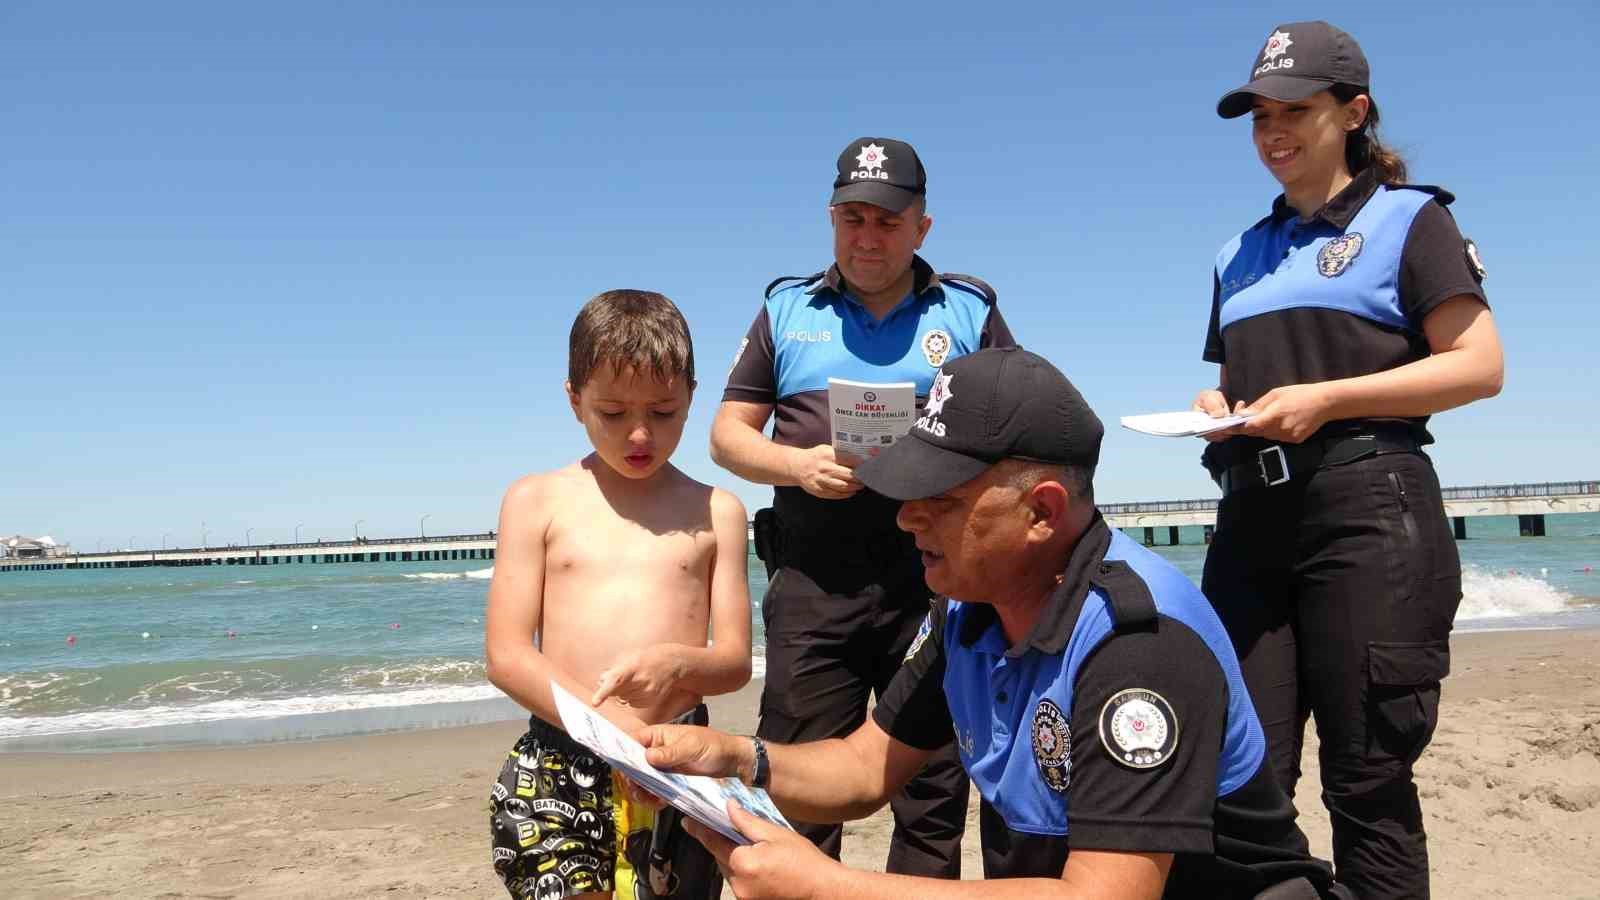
(702, 797)
(869, 417)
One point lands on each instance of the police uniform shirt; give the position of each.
(1120, 723)
(809, 331)
(1339, 295)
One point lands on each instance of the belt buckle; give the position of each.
(1283, 465)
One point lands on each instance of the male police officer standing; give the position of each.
(1092, 690)
(847, 591)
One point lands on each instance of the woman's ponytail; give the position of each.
(1362, 149)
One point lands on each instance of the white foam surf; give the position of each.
(1500, 595)
(475, 575)
(228, 710)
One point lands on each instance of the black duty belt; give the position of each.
(1277, 464)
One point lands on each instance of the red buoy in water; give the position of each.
(72, 639)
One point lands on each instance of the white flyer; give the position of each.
(699, 796)
(1189, 423)
(868, 417)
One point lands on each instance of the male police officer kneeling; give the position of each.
(1093, 694)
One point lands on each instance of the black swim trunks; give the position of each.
(561, 825)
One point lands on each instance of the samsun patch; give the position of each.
(936, 347)
(739, 354)
(1337, 254)
(1474, 259)
(1138, 728)
(1052, 745)
(921, 638)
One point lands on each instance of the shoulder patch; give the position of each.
(972, 285)
(802, 280)
(1052, 745)
(922, 637)
(1138, 728)
(1474, 259)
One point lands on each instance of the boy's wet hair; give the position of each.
(641, 329)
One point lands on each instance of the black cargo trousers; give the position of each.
(839, 620)
(1338, 589)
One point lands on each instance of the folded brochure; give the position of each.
(702, 797)
(868, 417)
(1188, 423)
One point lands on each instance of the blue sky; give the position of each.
(316, 263)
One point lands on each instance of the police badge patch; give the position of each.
(1474, 260)
(1337, 254)
(935, 347)
(1138, 728)
(1052, 745)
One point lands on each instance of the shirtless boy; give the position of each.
(621, 565)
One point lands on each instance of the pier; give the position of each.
(1530, 503)
(420, 549)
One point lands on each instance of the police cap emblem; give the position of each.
(936, 347)
(1052, 745)
(1337, 254)
(1138, 728)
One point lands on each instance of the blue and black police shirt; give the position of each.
(1341, 294)
(812, 329)
(1120, 723)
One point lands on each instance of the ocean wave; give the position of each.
(1499, 595)
(475, 575)
(243, 708)
(141, 686)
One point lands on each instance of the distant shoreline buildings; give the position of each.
(22, 547)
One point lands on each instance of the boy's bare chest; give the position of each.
(621, 549)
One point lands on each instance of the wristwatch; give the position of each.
(763, 771)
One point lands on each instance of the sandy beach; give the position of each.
(1511, 787)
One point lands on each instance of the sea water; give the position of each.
(231, 654)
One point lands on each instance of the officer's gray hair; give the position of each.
(1025, 475)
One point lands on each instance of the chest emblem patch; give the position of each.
(1337, 254)
(1052, 745)
(936, 347)
(1138, 728)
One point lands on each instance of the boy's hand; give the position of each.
(823, 475)
(640, 678)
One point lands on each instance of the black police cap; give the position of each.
(1299, 59)
(881, 171)
(988, 406)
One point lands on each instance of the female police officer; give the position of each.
(1341, 321)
